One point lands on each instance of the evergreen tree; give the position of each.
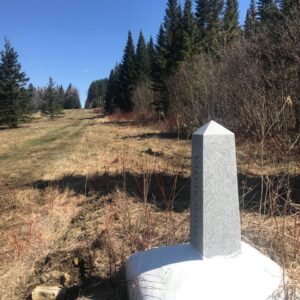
(151, 54)
(127, 76)
(51, 105)
(250, 23)
(189, 31)
(267, 11)
(15, 99)
(208, 15)
(113, 90)
(142, 60)
(202, 14)
(289, 6)
(172, 27)
(214, 28)
(231, 21)
(96, 94)
(61, 95)
(71, 98)
(159, 72)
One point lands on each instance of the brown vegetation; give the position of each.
(81, 194)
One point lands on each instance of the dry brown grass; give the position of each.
(80, 194)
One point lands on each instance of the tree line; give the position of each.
(19, 100)
(204, 65)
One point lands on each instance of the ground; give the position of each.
(78, 195)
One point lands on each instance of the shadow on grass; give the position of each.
(112, 288)
(165, 191)
(99, 116)
(159, 135)
(271, 197)
(173, 191)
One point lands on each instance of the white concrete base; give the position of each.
(178, 272)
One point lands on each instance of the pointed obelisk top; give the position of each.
(213, 128)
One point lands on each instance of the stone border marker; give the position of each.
(215, 265)
(215, 216)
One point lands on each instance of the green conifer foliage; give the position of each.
(96, 94)
(15, 99)
(202, 14)
(250, 23)
(231, 21)
(71, 98)
(142, 60)
(208, 15)
(51, 105)
(151, 54)
(267, 11)
(113, 90)
(172, 28)
(127, 76)
(189, 31)
(159, 72)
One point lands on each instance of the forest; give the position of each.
(203, 65)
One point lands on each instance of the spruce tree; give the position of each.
(214, 28)
(15, 99)
(51, 105)
(113, 90)
(208, 15)
(172, 27)
(61, 95)
(267, 11)
(202, 14)
(250, 23)
(127, 75)
(231, 21)
(159, 72)
(71, 98)
(151, 54)
(142, 60)
(289, 6)
(189, 31)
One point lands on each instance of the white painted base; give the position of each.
(178, 272)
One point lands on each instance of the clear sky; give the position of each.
(77, 41)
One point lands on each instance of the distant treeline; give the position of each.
(18, 101)
(203, 65)
(96, 94)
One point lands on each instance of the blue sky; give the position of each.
(77, 41)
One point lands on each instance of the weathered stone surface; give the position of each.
(48, 293)
(215, 218)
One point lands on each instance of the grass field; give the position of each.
(80, 194)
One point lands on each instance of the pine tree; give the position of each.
(231, 21)
(127, 75)
(189, 31)
(250, 23)
(51, 105)
(172, 28)
(142, 60)
(15, 99)
(267, 11)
